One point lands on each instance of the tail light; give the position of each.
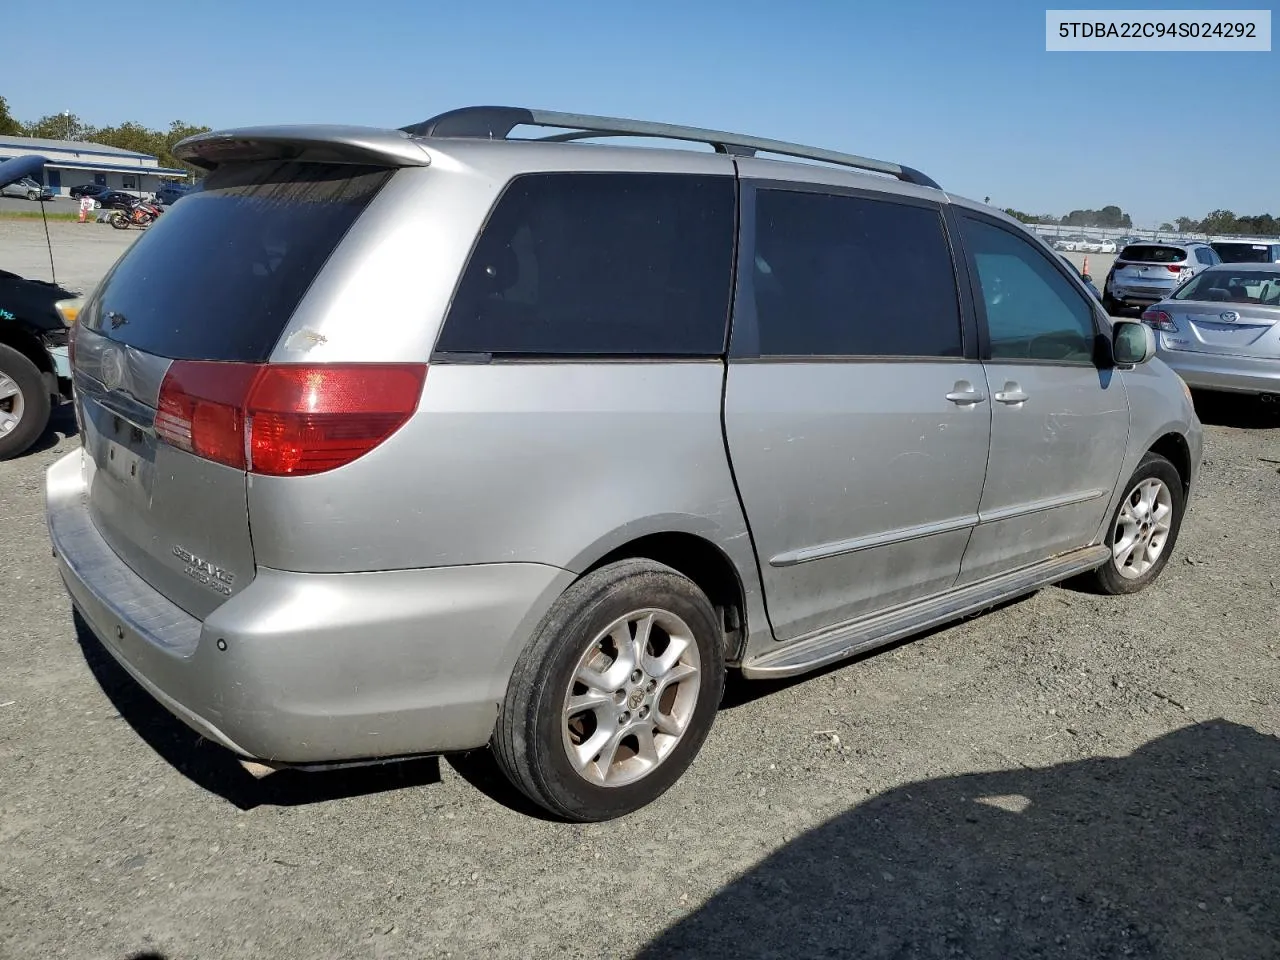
(1158, 319)
(285, 420)
(1173, 267)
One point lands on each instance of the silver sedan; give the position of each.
(1221, 329)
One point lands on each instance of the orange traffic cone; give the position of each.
(1085, 269)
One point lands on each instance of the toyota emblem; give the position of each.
(1229, 317)
(112, 368)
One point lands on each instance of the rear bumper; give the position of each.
(1207, 371)
(1139, 296)
(312, 668)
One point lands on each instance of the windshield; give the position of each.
(1151, 253)
(1234, 286)
(1243, 252)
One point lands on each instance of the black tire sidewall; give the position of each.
(1153, 465)
(36, 402)
(562, 788)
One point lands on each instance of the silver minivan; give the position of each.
(409, 442)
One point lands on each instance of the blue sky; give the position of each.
(964, 92)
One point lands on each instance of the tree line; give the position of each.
(126, 136)
(1219, 222)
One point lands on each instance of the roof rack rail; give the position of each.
(496, 123)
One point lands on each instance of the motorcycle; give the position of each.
(141, 213)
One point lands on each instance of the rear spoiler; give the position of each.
(304, 143)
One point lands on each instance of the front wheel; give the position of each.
(24, 403)
(614, 695)
(1143, 528)
(119, 221)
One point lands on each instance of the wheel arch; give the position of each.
(702, 561)
(27, 343)
(1173, 447)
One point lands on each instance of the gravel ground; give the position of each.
(1067, 776)
(82, 252)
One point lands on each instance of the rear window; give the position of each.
(218, 276)
(604, 264)
(1233, 286)
(1150, 253)
(1243, 252)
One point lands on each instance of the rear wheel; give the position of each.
(24, 403)
(1143, 528)
(119, 220)
(615, 693)
(1110, 304)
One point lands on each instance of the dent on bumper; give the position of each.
(312, 668)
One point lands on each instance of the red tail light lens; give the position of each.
(1158, 319)
(285, 420)
(1173, 267)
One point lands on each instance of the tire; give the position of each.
(97, 205)
(119, 221)
(1140, 569)
(32, 195)
(1110, 304)
(537, 729)
(28, 395)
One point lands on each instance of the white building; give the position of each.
(72, 163)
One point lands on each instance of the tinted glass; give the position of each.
(848, 276)
(599, 264)
(218, 276)
(1151, 253)
(1244, 252)
(1033, 311)
(1233, 286)
(1204, 256)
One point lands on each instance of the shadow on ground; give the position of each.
(215, 768)
(1171, 852)
(1236, 410)
(62, 425)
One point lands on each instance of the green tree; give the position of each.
(1187, 225)
(1167, 227)
(9, 127)
(60, 126)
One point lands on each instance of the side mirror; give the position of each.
(1132, 342)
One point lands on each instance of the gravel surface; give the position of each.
(82, 252)
(1067, 776)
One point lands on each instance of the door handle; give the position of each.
(1011, 394)
(964, 394)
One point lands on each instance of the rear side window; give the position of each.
(218, 276)
(599, 264)
(1204, 256)
(853, 277)
(1244, 252)
(1151, 253)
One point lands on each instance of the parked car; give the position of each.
(1247, 251)
(582, 470)
(115, 200)
(1145, 273)
(171, 193)
(1221, 330)
(88, 190)
(35, 372)
(28, 189)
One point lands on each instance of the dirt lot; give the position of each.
(1068, 776)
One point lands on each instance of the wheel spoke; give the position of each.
(666, 723)
(1124, 550)
(8, 388)
(7, 421)
(647, 749)
(582, 702)
(604, 742)
(640, 645)
(659, 667)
